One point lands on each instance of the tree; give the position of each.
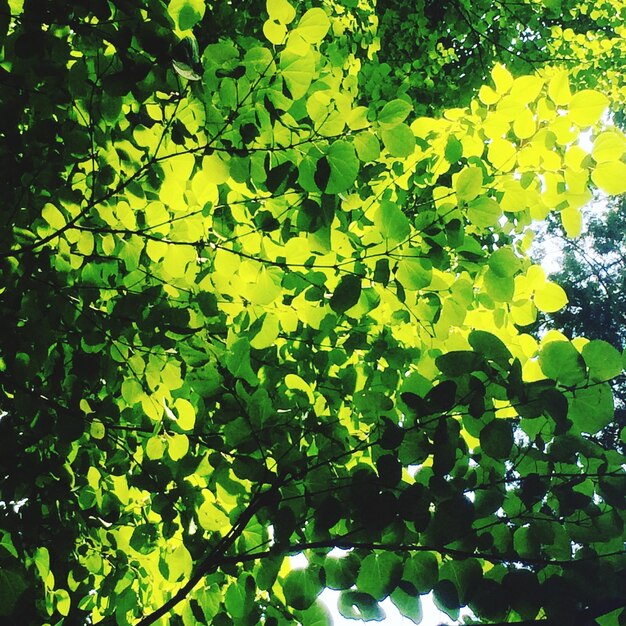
(593, 274)
(252, 314)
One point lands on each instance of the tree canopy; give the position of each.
(267, 291)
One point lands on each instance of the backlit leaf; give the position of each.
(394, 112)
(469, 183)
(301, 588)
(561, 361)
(610, 176)
(313, 25)
(399, 140)
(602, 359)
(550, 297)
(280, 10)
(484, 212)
(586, 107)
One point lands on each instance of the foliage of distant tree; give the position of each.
(264, 291)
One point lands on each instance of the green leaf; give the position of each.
(185, 70)
(459, 362)
(454, 151)
(186, 13)
(484, 212)
(496, 439)
(394, 113)
(238, 361)
(591, 408)
(357, 605)
(399, 140)
(144, 538)
(42, 562)
(392, 222)
(446, 598)
(501, 289)
(346, 294)
(414, 273)
(301, 588)
(367, 146)
(344, 167)
(317, 615)
(504, 262)
(297, 72)
(469, 183)
(561, 361)
(422, 571)
(409, 605)
(12, 586)
(341, 573)
(379, 574)
(491, 347)
(465, 575)
(238, 596)
(602, 359)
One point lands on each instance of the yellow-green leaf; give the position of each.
(313, 25)
(394, 112)
(487, 95)
(274, 31)
(525, 89)
(502, 154)
(610, 177)
(186, 414)
(399, 140)
(469, 183)
(367, 146)
(297, 71)
(97, 430)
(178, 446)
(280, 10)
(155, 448)
(558, 89)
(211, 518)
(609, 146)
(53, 216)
(550, 297)
(186, 13)
(484, 212)
(215, 169)
(62, 601)
(572, 221)
(586, 107)
(502, 78)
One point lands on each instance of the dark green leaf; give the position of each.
(346, 294)
(496, 438)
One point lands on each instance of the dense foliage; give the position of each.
(261, 298)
